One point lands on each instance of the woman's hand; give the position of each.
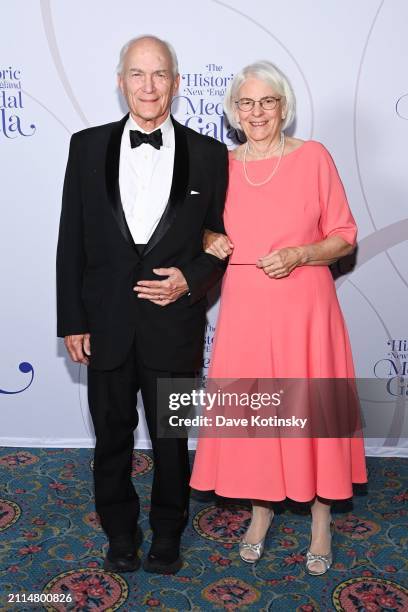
(217, 244)
(281, 262)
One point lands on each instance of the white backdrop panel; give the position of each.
(346, 61)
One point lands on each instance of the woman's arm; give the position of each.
(281, 262)
(217, 244)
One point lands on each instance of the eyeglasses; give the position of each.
(267, 103)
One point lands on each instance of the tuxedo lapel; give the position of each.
(112, 178)
(178, 187)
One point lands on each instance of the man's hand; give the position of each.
(280, 263)
(217, 244)
(79, 347)
(163, 292)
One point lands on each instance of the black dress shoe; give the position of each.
(122, 553)
(164, 556)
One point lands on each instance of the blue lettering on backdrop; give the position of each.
(201, 102)
(25, 368)
(11, 102)
(394, 368)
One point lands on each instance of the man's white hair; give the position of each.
(270, 74)
(132, 41)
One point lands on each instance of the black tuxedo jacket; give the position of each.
(98, 264)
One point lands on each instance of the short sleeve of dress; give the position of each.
(336, 218)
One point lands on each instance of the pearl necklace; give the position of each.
(274, 171)
(268, 149)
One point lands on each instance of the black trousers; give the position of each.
(112, 399)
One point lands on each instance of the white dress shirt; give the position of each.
(145, 177)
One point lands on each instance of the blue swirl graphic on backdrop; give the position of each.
(25, 368)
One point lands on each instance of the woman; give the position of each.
(287, 219)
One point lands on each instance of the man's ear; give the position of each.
(176, 84)
(120, 82)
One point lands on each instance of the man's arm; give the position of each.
(71, 316)
(196, 277)
(205, 270)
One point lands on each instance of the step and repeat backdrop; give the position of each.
(347, 63)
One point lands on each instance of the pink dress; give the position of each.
(284, 328)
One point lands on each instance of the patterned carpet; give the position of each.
(51, 545)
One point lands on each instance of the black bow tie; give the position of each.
(154, 138)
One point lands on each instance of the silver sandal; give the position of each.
(257, 549)
(325, 560)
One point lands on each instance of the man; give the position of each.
(131, 284)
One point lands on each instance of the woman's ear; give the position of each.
(283, 113)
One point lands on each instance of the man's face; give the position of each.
(147, 82)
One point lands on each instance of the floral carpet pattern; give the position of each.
(52, 547)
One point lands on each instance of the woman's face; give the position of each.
(259, 124)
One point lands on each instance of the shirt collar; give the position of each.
(166, 127)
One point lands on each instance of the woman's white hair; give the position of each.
(270, 74)
(132, 41)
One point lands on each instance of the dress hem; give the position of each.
(248, 495)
